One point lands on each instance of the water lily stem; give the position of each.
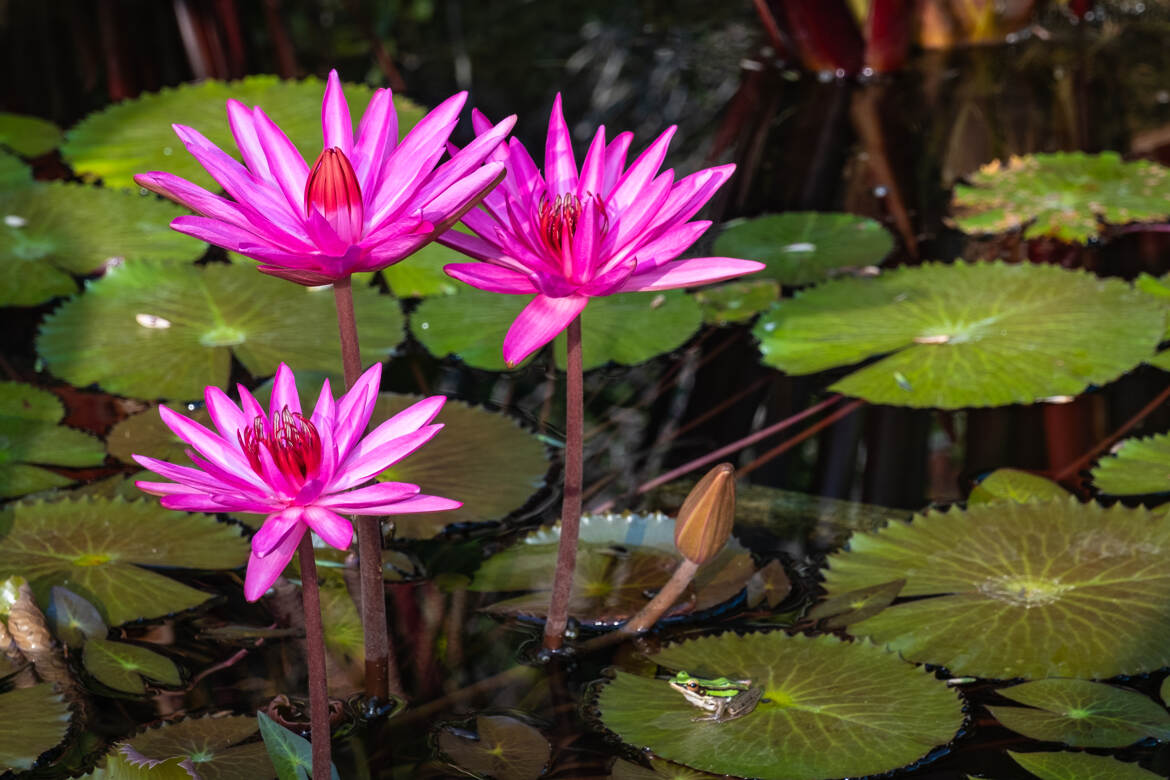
(663, 600)
(315, 646)
(558, 611)
(381, 667)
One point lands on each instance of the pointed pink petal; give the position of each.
(612, 280)
(560, 167)
(593, 169)
(421, 503)
(336, 531)
(615, 160)
(274, 528)
(262, 572)
(587, 241)
(667, 246)
(185, 502)
(190, 478)
(224, 454)
(287, 166)
(366, 462)
(524, 182)
(354, 409)
(193, 197)
(492, 278)
(244, 131)
(227, 417)
(645, 168)
(479, 122)
(409, 420)
(284, 392)
(370, 497)
(688, 273)
(472, 246)
(452, 203)
(690, 194)
(377, 137)
(630, 223)
(538, 324)
(325, 412)
(336, 125)
(462, 162)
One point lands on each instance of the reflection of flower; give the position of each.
(569, 237)
(366, 203)
(300, 471)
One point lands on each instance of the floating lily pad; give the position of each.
(658, 770)
(1164, 691)
(73, 619)
(149, 330)
(28, 136)
(856, 605)
(622, 561)
(206, 748)
(421, 275)
(1139, 466)
(146, 434)
(503, 747)
(770, 585)
(1082, 713)
(737, 301)
(627, 329)
(290, 753)
(35, 720)
(1066, 195)
(14, 173)
(1014, 485)
(123, 666)
(136, 136)
(341, 621)
(1042, 589)
(965, 335)
(29, 434)
(484, 459)
(801, 247)
(96, 547)
(829, 709)
(51, 232)
(1079, 766)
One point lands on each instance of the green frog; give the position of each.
(724, 698)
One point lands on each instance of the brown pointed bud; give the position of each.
(333, 190)
(704, 522)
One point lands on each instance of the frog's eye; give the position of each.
(693, 685)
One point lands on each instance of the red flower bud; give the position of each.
(333, 190)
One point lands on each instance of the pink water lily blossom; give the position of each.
(366, 203)
(303, 473)
(568, 236)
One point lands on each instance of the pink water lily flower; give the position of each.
(567, 236)
(302, 472)
(365, 204)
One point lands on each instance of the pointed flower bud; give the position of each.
(333, 190)
(704, 522)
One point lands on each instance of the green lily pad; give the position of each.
(206, 748)
(1082, 713)
(73, 619)
(1066, 195)
(14, 173)
(965, 335)
(622, 561)
(1164, 691)
(29, 434)
(342, 625)
(421, 275)
(51, 232)
(290, 753)
(146, 434)
(801, 247)
(627, 329)
(35, 720)
(1041, 589)
(123, 666)
(484, 459)
(503, 747)
(1137, 467)
(737, 301)
(658, 770)
(856, 605)
(28, 136)
(770, 585)
(829, 709)
(1079, 766)
(96, 547)
(1014, 485)
(136, 136)
(149, 330)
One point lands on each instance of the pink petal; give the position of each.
(524, 181)
(227, 417)
(354, 409)
(193, 197)
(560, 167)
(632, 221)
(593, 169)
(538, 324)
(189, 478)
(336, 125)
(366, 462)
(645, 168)
(492, 278)
(274, 528)
(612, 280)
(465, 160)
(187, 502)
(409, 420)
(325, 411)
(615, 160)
(688, 273)
(288, 167)
(586, 243)
(336, 531)
(284, 392)
(472, 246)
(229, 237)
(451, 204)
(211, 446)
(667, 246)
(370, 497)
(244, 131)
(691, 193)
(262, 572)
(422, 503)
(377, 136)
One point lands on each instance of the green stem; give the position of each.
(558, 611)
(315, 646)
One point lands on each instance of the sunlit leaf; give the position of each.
(291, 754)
(421, 275)
(13, 174)
(35, 720)
(829, 709)
(737, 301)
(30, 437)
(1082, 713)
(1136, 467)
(1042, 589)
(504, 748)
(72, 618)
(29, 136)
(1014, 485)
(965, 335)
(1079, 766)
(205, 748)
(122, 666)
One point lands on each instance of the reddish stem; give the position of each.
(1107, 442)
(788, 444)
(315, 646)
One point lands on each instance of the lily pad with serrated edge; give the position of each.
(629, 329)
(622, 560)
(482, 458)
(856, 605)
(1042, 589)
(1079, 766)
(1014, 485)
(1066, 195)
(829, 709)
(965, 335)
(30, 437)
(726, 304)
(155, 331)
(135, 136)
(28, 136)
(122, 666)
(801, 247)
(96, 548)
(51, 232)
(1082, 713)
(503, 747)
(35, 720)
(72, 618)
(14, 174)
(204, 747)
(1138, 466)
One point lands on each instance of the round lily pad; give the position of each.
(1014, 485)
(1079, 766)
(50, 232)
(627, 329)
(1066, 195)
(965, 335)
(35, 720)
(28, 136)
(30, 434)
(14, 173)
(502, 747)
(484, 459)
(204, 747)
(1137, 467)
(136, 136)
(622, 561)
(149, 330)
(96, 548)
(1033, 590)
(801, 247)
(829, 708)
(122, 666)
(726, 304)
(658, 770)
(1082, 713)
(73, 619)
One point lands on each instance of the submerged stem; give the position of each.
(558, 610)
(315, 646)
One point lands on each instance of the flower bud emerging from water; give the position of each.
(704, 522)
